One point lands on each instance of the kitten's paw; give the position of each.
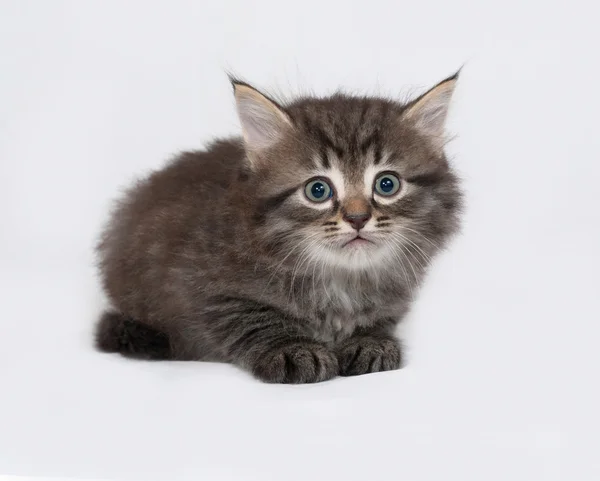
(299, 362)
(363, 355)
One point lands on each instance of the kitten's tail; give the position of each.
(117, 333)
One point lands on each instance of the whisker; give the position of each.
(306, 255)
(299, 262)
(399, 239)
(301, 258)
(402, 246)
(422, 236)
(313, 277)
(400, 260)
(426, 257)
(323, 278)
(309, 258)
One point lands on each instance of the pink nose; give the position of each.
(357, 221)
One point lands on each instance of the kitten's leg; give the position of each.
(270, 346)
(369, 350)
(118, 333)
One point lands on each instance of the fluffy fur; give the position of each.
(220, 256)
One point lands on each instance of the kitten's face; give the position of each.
(354, 183)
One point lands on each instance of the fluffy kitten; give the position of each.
(293, 252)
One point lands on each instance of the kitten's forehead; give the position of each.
(343, 111)
(359, 135)
(349, 130)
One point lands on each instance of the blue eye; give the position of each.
(387, 185)
(318, 190)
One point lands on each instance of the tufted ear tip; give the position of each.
(429, 112)
(263, 121)
(236, 81)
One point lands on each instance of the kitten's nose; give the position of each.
(357, 221)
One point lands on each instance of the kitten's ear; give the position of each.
(428, 113)
(263, 121)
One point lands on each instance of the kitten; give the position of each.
(293, 252)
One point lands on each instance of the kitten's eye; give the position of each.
(387, 184)
(318, 190)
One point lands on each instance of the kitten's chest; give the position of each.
(340, 308)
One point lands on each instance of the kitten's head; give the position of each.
(358, 183)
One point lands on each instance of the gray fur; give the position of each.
(211, 258)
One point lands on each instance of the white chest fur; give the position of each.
(340, 312)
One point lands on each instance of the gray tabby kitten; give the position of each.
(293, 252)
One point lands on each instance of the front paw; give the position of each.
(363, 355)
(295, 363)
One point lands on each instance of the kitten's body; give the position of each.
(220, 257)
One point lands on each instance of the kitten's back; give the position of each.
(155, 218)
(200, 173)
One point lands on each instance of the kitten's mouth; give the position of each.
(357, 241)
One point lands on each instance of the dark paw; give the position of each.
(300, 362)
(363, 355)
